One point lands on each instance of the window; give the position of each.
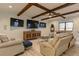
(62, 26)
(69, 26)
(66, 26)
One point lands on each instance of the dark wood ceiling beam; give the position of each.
(57, 8)
(24, 9)
(40, 6)
(62, 14)
(58, 14)
(62, 6)
(46, 9)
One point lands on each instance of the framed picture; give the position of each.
(42, 25)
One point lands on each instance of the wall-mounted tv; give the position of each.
(32, 24)
(16, 22)
(42, 25)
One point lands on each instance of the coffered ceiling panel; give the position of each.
(51, 5)
(68, 9)
(32, 11)
(72, 15)
(41, 17)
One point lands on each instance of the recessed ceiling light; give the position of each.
(10, 6)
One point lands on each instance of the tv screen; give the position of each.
(32, 24)
(16, 22)
(42, 25)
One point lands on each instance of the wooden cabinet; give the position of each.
(31, 35)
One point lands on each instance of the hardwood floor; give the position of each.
(35, 50)
(74, 51)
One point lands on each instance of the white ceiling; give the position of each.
(4, 7)
(32, 11)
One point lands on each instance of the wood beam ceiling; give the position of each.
(62, 14)
(46, 9)
(57, 8)
(24, 9)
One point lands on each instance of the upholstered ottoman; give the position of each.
(27, 43)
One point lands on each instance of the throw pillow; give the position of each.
(4, 38)
(54, 41)
(12, 39)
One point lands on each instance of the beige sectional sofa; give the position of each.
(11, 43)
(11, 48)
(57, 45)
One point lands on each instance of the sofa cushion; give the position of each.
(54, 40)
(4, 38)
(12, 39)
(10, 43)
(61, 35)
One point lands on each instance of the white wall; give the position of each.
(5, 25)
(45, 31)
(17, 32)
(76, 28)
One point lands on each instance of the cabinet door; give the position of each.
(28, 36)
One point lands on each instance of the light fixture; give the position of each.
(10, 6)
(50, 15)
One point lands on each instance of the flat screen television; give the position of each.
(16, 22)
(32, 24)
(42, 25)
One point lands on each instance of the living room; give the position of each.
(20, 20)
